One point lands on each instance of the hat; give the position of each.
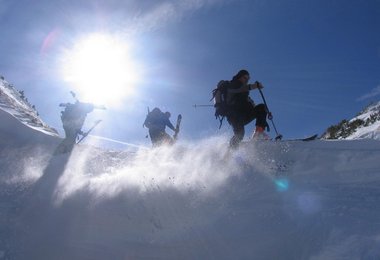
(240, 74)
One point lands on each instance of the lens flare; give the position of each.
(282, 184)
(49, 40)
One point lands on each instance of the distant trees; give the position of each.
(32, 110)
(22, 94)
(372, 119)
(346, 128)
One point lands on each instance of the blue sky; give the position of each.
(318, 60)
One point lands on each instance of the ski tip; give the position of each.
(278, 138)
(310, 138)
(313, 137)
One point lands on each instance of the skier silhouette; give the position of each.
(73, 118)
(156, 121)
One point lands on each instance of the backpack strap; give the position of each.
(221, 118)
(213, 94)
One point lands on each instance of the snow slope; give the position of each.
(17, 106)
(366, 125)
(285, 200)
(371, 131)
(267, 200)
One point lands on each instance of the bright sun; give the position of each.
(100, 69)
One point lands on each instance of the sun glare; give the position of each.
(100, 68)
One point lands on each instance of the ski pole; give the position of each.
(195, 105)
(279, 136)
(179, 119)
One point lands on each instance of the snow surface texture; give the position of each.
(371, 131)
(267, 200)
(285, 200)
(12, 102)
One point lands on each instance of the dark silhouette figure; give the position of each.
(156, 121)
(242, 110)
(73, 118)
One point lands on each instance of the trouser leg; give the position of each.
(239, 132)
(159, 137)
(260, 113)
(154, 137)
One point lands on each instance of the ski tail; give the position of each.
(178, 124)
(311, 138)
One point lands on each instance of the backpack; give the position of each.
(219, 95)
(152, 117)
(68, 113)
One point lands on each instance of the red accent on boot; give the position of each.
(259, 129)
(260, 133)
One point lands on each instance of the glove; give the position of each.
(256, 85)
(270, 117)
(259, 85)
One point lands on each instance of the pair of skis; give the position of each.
(306, 139)
(88, 131)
